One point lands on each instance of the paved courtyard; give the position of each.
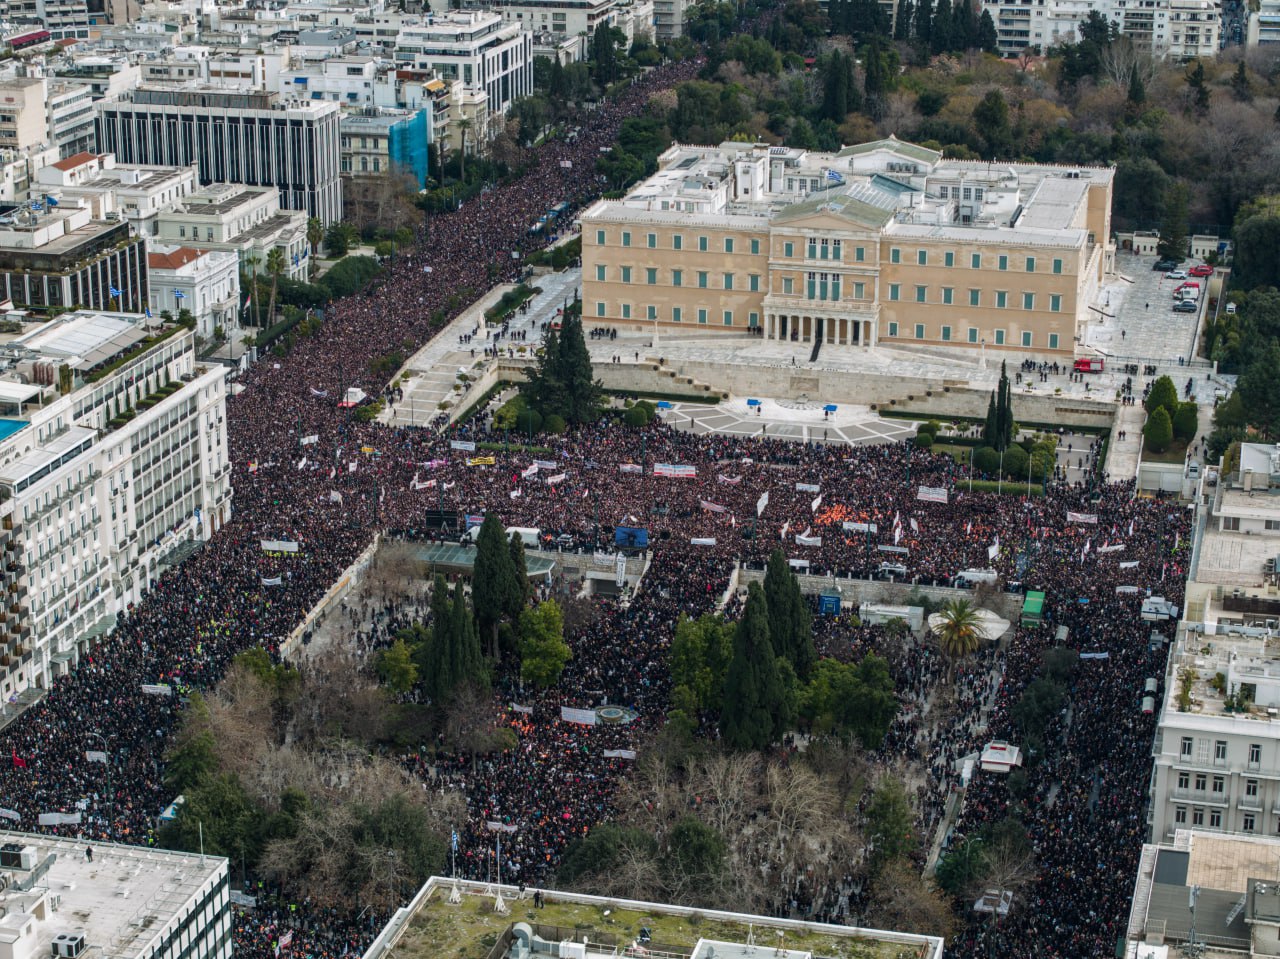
(787, 419)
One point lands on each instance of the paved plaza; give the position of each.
(786, 419)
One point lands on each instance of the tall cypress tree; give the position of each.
(522, 590)
(790, 625)
(492, 580)
(990, 428)
(467, 658)
(435, 665)
(904, 20)
(941, 40)
(582, 391)
(753, 688)
(924, 22)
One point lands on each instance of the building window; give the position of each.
(1026, 337)
(859, 254)
(975, 297)
(1247, 822)
(975, 261)
(920, 294)
(651, 275)
(1180, 815)
(1002, 299)
(1255, 754)
(1184, 779)
(999, 337)
(677, 277)
(626, 274)
(755, 247)
(702, 316)
(922, 257)
(1057, 266)
(1231, 524)
(788, 249)
(702, 244)
(728, 244)
(728, 281)
(948, 295)
(651, 312)
(753, 320)
(702, 279)
(1219, 784)
(1031, 264)
(626, 311)
(1003, 262)
(946, 334)
(895, 255)
(728, 317)
(675, 314)
(1215, 819)
(1055, 302)
(753, 282)
(599, 309)
(859, 291)
(651, 241)
(895, 290)
(1028, 301)
(1202, 782)
(1220, 752)
(599, 237)
(626, 238)
(677, 241)
(788, 285)
(1251, 787)
(949, 258)
(919, 331)
(973, 334)
(1197, 817)
(835, 250)
(600, 273)
(893, 329)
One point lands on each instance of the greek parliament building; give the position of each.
(257, 139)
(881, 242)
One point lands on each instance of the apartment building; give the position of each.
(378, 141)
(884, 242)
(244, 220)
(206, 283)
(475, 47)
(669, 18)
(570, 17)
(104, 485)
(24, 122)
(18, 168)
(134, 193)
(1179, 29)
(60, 257)
(70, 117)
(255, 139)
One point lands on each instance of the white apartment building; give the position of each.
(24, 122)
(70, 116)
(477, 48)
(61, 901)
(669, 17)
(255, 69)
(135, 193)
(204, 282)
(245, 220)
(349, 80)
(1180, 29)
(250, 138)
(107, 76)
(18, 169)
(1264, 25)
(106, 485)
(569, 17)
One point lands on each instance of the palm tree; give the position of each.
(463, 126)
(958, 632)
(315, 236)
(252, 260)
(275, 266)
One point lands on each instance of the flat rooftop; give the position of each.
(88, 336)
(431, 927)
(123, 896)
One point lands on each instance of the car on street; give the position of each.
(1202, 269)
(1185, 306)
(1176, 275)
(1165, 265)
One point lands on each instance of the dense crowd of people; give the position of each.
(836, 511)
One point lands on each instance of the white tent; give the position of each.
(989, 625)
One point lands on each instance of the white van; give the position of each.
(529, 535)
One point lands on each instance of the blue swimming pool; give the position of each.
(9, 427)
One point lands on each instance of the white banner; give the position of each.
(587, 717)
(859, 527)
(1129, 565)
(558, 478)
(466, 446)
(10, 814)
(932, 494)
(1127, 590)
(1111, 549)
(813, 507)
(545, 464)
(993, 551)
(279, 546)
(493, 826)
(703, 541)
(711, 507)
(95, 756)
(531, 471)
(729, 480)
(157, 689)
(619, 754)
(893, 549)
(59, 819)
(602, 559)
(674, 471)
(309, 440)
(630, 468)
(1095, 655)
(272, 581)
(1082, 517)
(335, 497)
(808, 488)
(798, 563)
(525, 710)
(620, 571)
(804, 539)
(762, 502)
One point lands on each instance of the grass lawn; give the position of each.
(1176, 453)
(469, 930)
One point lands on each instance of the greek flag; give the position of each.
(179, 295)
(114, 291)
(455, 840)
(147, 310)
(834, 177)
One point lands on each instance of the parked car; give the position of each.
(1201, 269)
(1165, 265)
(1185, 306)
(1176, 275)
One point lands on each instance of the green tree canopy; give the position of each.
(1163, 393)
(493, 585)
(1158, 431)
(790, 624)
(855, 699)
(543, 651)
(753, 691)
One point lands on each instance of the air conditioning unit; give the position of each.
(14, 856)
(67, 945)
